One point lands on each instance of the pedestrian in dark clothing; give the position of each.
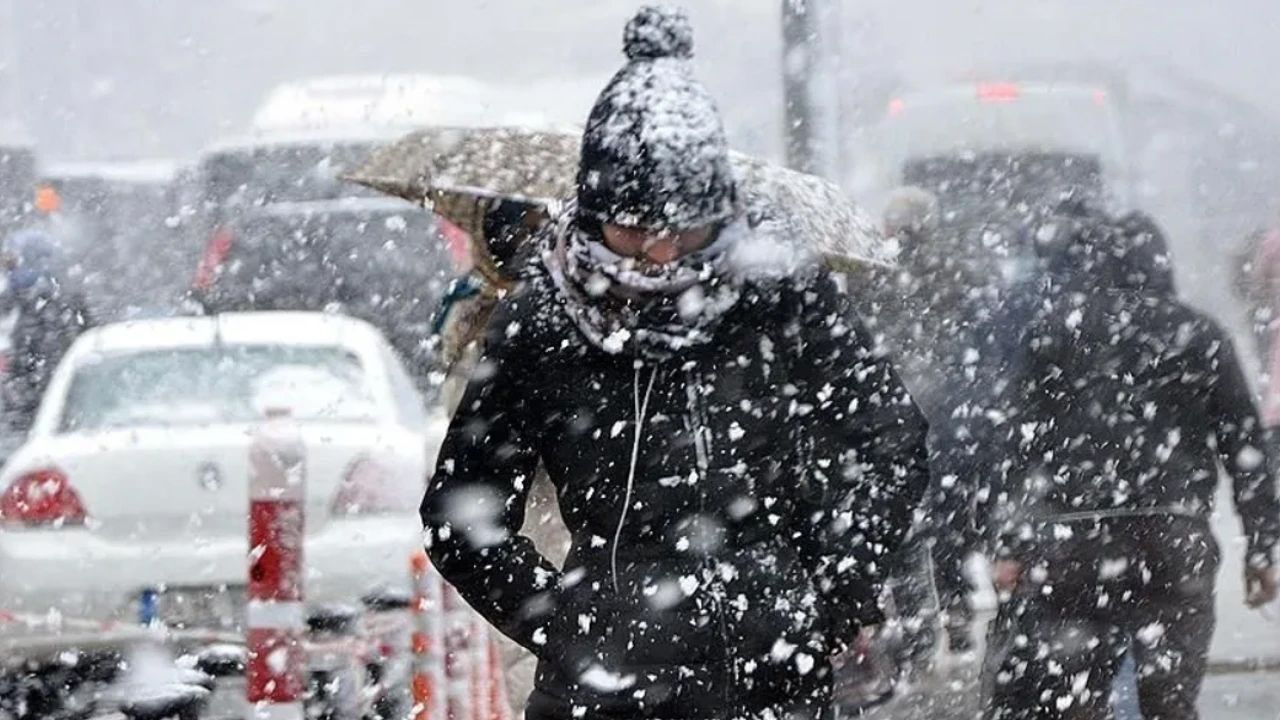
(731, 458)
(51, 315)
(1129, 405)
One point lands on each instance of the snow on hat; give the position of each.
(654, 152)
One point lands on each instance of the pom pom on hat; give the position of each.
(658, 32)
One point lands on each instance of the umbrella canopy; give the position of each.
(812, 213)
(461, 174)
(448, 165)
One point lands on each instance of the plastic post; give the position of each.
(276, 667)
(457, 658)
(426, 641)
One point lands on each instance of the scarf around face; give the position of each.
(624, 306)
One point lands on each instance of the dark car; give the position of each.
(377, 259)
(280, 229)
(999, 156)
(235, 176)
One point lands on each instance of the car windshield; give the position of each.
(229, 384)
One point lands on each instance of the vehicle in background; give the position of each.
(401, 103)
(998, 156)
(242, 174)
(118, 223)
(135, 474)
(281, 230)
(272, 211)
(372, 258)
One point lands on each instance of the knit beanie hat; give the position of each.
(654, 153)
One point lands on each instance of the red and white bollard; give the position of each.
(479, 660)
(276, 620)
(458, 670)
(427, 640)
(499, 709)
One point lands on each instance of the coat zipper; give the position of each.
(702, 450)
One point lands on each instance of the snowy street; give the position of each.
(1226, 696)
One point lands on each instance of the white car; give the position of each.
(132, 487)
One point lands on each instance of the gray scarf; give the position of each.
(622, 307)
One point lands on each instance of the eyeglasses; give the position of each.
(662, 246)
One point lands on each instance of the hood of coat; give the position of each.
(1129, 253)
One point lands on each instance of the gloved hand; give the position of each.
(1261, 585)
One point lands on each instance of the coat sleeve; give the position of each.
(1243, 451)
(865, 451)
(475, 503)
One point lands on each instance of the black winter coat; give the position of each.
(729, 508)
(1127, 403)
(50, 317)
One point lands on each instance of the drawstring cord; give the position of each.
(641, 410)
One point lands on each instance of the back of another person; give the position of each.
(1127, 407)
(1130, 396)
(52, 312)
(1126, 392)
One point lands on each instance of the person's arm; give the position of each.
(1243, 451)
(865, 454)
(475, 504)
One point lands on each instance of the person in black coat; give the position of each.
(732, 459)
(52, 313)
(1127, 406)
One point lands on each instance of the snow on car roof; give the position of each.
(379, 107)
(333, 135)
(398, 100)
(346, 109)
(410, 101)
(150, 171)
(273, 328)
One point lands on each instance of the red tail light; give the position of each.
(215, 253)
(41, 498)
(896, 106)
(365, 490)
(998, 92)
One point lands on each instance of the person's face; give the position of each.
(658, 247)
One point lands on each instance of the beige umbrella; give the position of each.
(462, 173)
(815, 214)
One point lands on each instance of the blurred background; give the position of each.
(151, 79)
(157, 128)
(146, 77)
